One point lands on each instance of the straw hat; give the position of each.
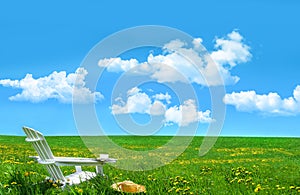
(128, 186)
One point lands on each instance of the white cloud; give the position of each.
(117, 64)
(197, 42)
(57, 85)
(162, 96)
(272, 103)
(175, 65)
(231, 50)
(137, 102)
(186, 114)
(133, 91)
(157, 108)
(140, 102)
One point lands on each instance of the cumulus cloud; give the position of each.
(140, 102)
(271, 103)
(187, 113)
(117, 64)
(231, 50)
(162, 96)
(176, 64)
(137, 102)
(58, 85)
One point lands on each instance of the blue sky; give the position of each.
(255, 41)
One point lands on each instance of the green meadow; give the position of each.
(234, 165)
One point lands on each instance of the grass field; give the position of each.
(232, 166)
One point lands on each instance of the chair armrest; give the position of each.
(73, 161)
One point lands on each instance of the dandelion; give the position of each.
(30, 162)
(178, 190)
(240, 180)
(258, 188)
(5, 185)
(26, 174)
(80, 190)
(13, 183)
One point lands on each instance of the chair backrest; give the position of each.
(46, 156)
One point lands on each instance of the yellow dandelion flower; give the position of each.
(13, 183)
(257, 189)
(80, 190)
(26, 174)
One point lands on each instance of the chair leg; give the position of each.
(99, 170)
(78, 168)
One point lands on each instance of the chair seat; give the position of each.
(78, 177)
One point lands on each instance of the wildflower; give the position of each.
(26, 174)
(80, 190)
(257, 189)
(30, 162)
(5, 185)
(178, 189)
(292, 187)
(13, 183)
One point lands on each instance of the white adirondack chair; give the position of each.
(53, 163)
